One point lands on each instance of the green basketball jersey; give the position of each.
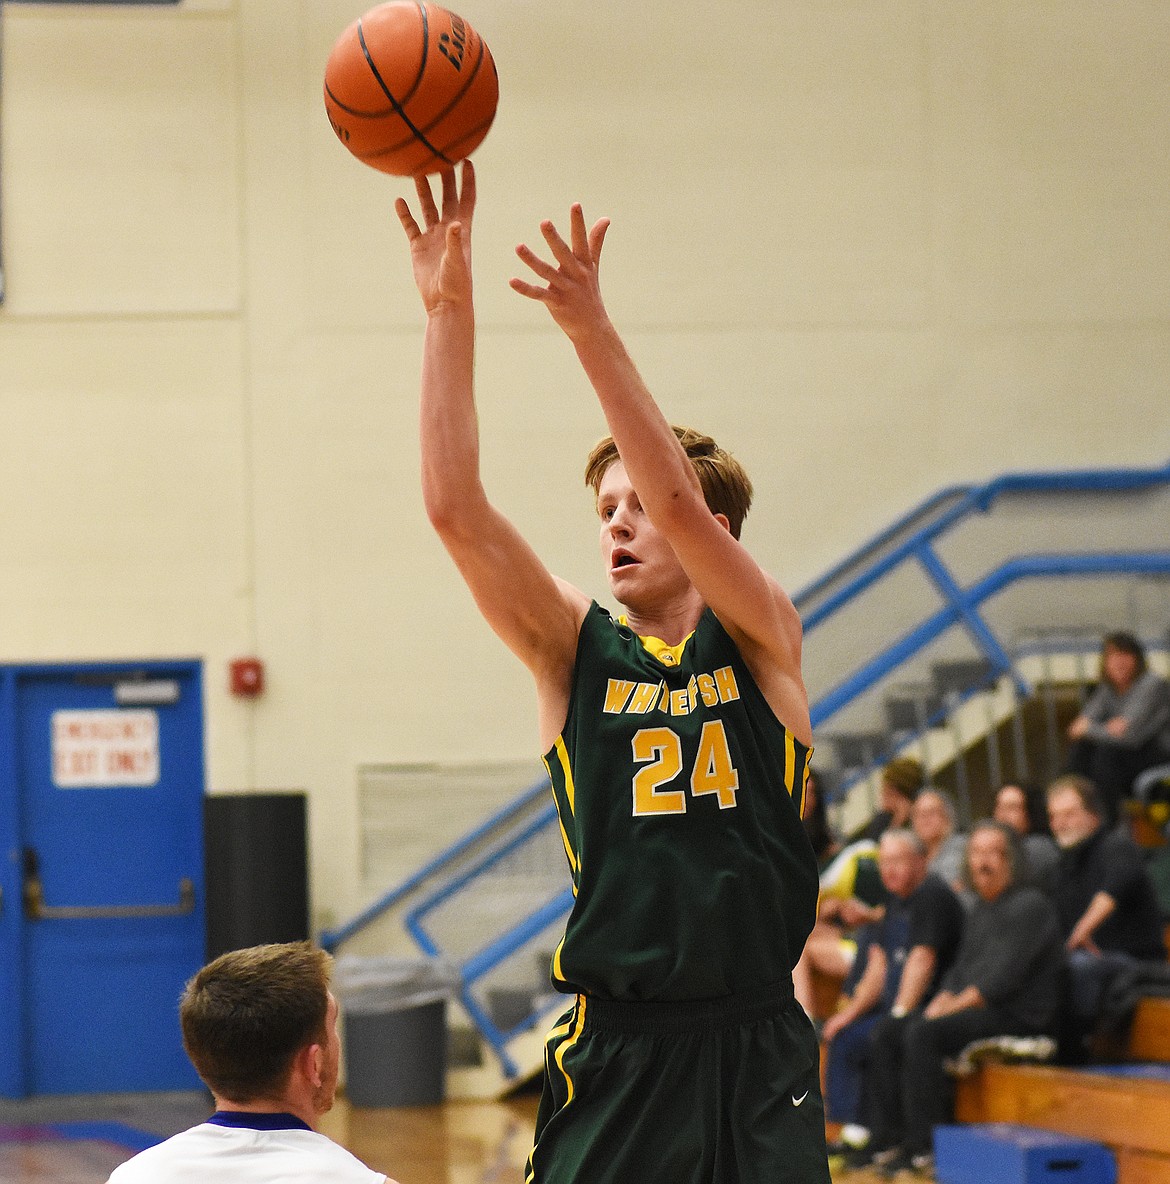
(679, 794)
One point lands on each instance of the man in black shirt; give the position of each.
(900, 961)
(1108, 906)
(1005, 980)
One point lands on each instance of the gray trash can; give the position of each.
(395, 1028)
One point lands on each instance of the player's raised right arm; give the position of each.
(536, 615)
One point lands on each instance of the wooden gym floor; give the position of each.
(456, 1143)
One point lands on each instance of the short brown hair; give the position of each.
(246, 1015)
(727, 489)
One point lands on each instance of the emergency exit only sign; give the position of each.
(98, 749)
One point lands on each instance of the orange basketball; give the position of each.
(410, 88)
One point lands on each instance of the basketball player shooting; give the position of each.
(677, 739)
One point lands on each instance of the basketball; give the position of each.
(410, 88)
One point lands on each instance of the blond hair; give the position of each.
(727, 489)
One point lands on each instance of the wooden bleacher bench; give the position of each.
(1149, 1037)
(1129, 1114)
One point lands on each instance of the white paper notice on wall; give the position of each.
(102, 749)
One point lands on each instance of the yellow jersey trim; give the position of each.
(562, 755)
(668, 655)
(574, 1036)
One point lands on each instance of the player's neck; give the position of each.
(299, 1107)
(670, 623)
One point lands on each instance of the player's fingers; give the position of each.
(450, 194)
(530, 290)
(426, 201)
(545, 270)
(560, 249)
(597, 238)
(467, 195)
(406, 218)
(577, 235)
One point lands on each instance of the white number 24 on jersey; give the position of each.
(659, 751)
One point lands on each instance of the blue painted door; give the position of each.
(103, 912)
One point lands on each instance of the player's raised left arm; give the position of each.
(750, 604)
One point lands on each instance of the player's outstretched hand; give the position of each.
(440, 251)
(571, 291)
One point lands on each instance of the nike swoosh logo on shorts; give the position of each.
(796, 1101)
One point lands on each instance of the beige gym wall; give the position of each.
(874, 247)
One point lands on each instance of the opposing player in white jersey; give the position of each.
(260, 1027)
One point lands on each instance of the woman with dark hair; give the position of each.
(1124, 727)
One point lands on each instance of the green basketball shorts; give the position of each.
(723, 1091)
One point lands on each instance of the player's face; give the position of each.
(331, 1060)
(642, 567)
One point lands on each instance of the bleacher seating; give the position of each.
(1126, 1106)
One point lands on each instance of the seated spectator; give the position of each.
(260, 1027)
(933, 818)
(1005, 980)
(1023, 809)
(1106, 901)
(816, 821)
(904, 956)
(851, 886)
(1124, 727)
(851, 893)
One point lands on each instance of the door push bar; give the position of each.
(36, 909)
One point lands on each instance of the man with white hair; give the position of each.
(904, 956)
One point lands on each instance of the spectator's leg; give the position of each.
(1085, 980)
(1071, 1045)
(843, 1073)
(927, 1091)
(1150, 756)
(882, 1084)
(1080, 758)
(1114, 769)
(826, 953)
(1089, 978)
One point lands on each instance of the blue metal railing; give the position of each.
(963, 605)
(489, 957)
(941, 513)
(330, 939)
(911, 540)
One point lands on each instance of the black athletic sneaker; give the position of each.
(857, 1158)
(901, 1162)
